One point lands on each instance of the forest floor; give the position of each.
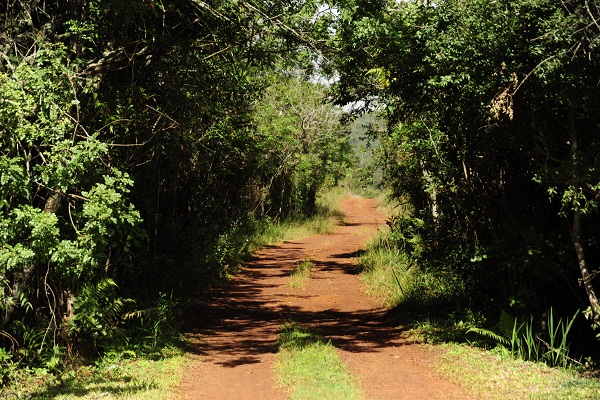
(233, 330)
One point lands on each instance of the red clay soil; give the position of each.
(234, 332)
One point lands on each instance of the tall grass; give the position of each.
(525, 342)
(393, 277)
(386, 271)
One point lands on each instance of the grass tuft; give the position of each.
(390, 275)
(301, 273)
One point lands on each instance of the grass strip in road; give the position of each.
(498, 375)
(311, 369)
(301, 273)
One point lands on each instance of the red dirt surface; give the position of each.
(234, 333)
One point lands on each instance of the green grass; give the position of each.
(418, 301)
(390, 276)
(498, 375)
(301, 273)
(311, 369)
(147, 379)
(383, 268)
(282, 231)
(327, 218)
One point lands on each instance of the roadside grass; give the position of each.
(301, 273)
(497, 375)
(311, 368)
(117, 378)
(384, 270)
(390, 276)
(152, 377)
(325, 220)
(424, 304)
(276, 232)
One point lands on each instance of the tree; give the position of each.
(128, 150)
(489, 109)
(303, 142)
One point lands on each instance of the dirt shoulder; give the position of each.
(234, 333)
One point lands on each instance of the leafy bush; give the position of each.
(6, 365)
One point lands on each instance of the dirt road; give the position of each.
(234, 334)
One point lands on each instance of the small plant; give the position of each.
(6, 365)
(97, 313)
(301, 273)
(155, 326)
(524, 342)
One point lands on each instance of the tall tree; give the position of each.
(304, 145)
(128, 146)
(490, 110)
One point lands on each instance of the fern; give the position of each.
(524, 342)
(490, 335)
(506, 324)
(98, 310)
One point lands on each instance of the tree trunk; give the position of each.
(22, 277)
(586, 279)
(432, 193)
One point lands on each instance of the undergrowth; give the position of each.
(429, 304)
(126, 344)
(325, 220)
(119, 375)
(392, 276)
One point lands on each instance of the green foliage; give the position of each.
(394, 275)
(113, 377)
(524, 341)
(13, 181)
(271, 232)
(366, 177)
(108, 217)
(64, 208)
(491, 139)
(133, 149)
(97, 312)
(149, 330)
(6, 365)
(303, 145)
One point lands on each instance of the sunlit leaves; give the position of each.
(109, 217)
(492, 128)
(302, 141)
(28, 236)
(13, 182)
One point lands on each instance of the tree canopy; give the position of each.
(135, 137)
(143, 139)
(492, 138)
